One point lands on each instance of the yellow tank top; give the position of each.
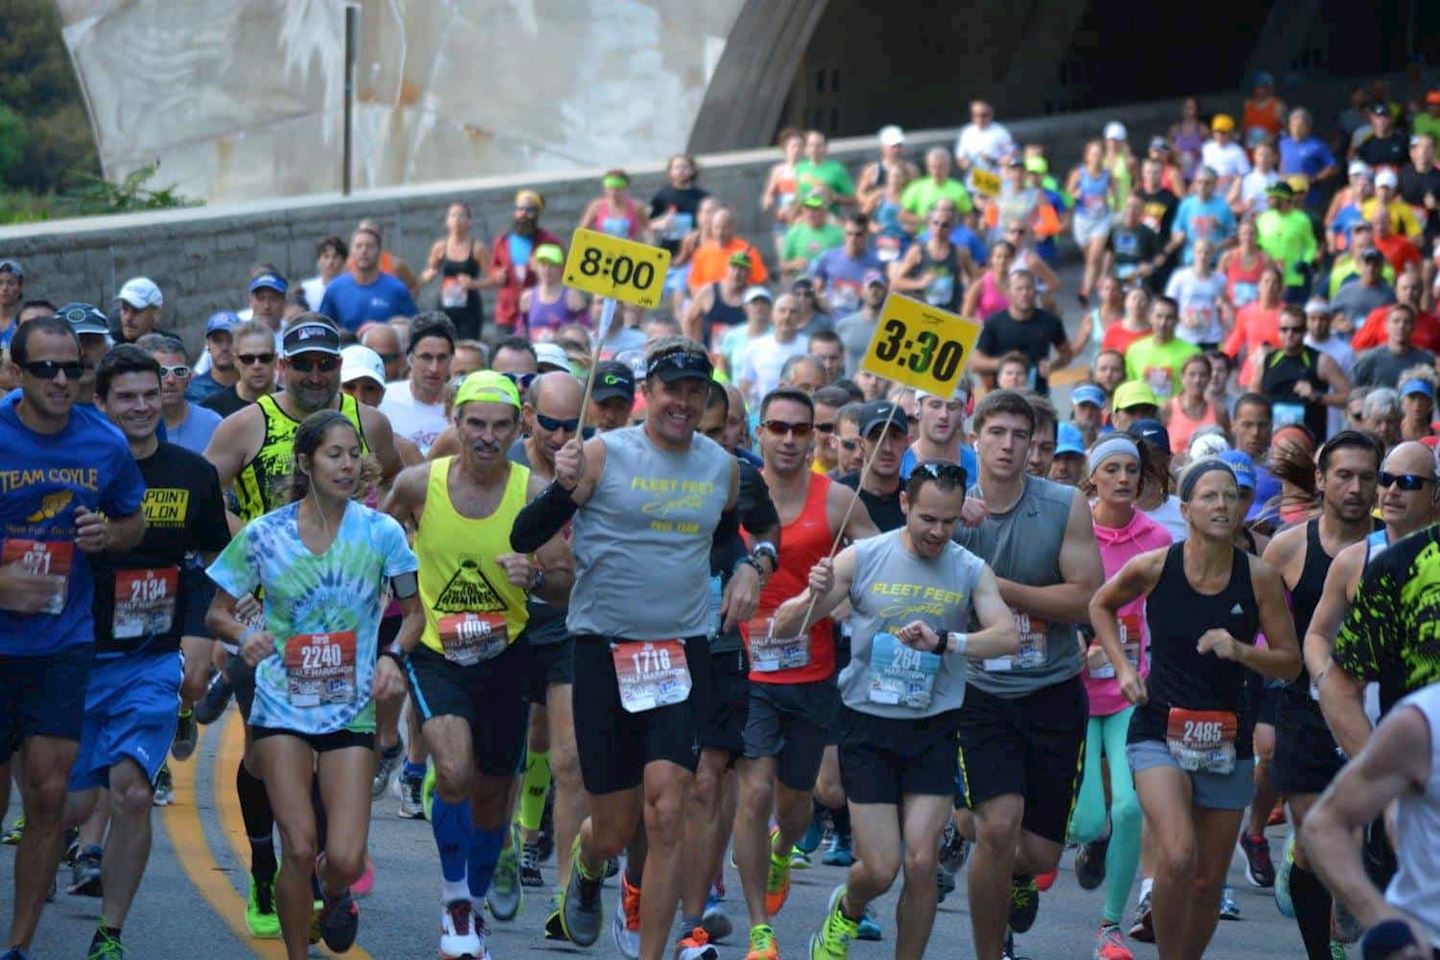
(459, 578)
(258, 483)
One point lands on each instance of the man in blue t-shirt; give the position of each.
(1201, 216)
(364, 293)
(69, 488)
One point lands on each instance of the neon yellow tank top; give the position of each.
(460, 582)
(258, 483)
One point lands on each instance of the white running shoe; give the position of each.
(462, 934)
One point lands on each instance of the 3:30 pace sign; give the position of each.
(609, 266)
(920, 346)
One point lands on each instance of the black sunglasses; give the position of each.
(554, 426)
(50, 369)
(1409, 482)
(943, 470)
(250, 359)
(324, 365)
(849, 445)
(521, 380)
(825, 427)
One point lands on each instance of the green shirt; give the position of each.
(1289, 240)
(922, 194)
(830, 174)
(803, 240)
(1158, 364)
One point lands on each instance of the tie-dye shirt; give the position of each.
(341, 592)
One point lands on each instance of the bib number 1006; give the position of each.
(924, 352)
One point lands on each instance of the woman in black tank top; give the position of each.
(1189, 740)
(458, 259)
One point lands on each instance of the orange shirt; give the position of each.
(1118, 338)
(1264, 114)
(710, 261)
(1255, 326)
(1398, 251)
(1372, 331)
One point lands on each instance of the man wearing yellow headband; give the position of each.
(466, 673)
(510, 257)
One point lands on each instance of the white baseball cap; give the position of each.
(551, 354)
(1115, 130)
(1359, 168)
(891, 136)
(141, 292)
(357, 361)
(1387, 178)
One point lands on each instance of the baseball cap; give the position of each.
(878, 413)
(1159, 143)
(740, 258)
(13, 267)
(84, 318)
(222, 321)
(1417, 387)
(1115, 130)
(269, 281)
(1134, 393)
(1387, 178)
(1317, 305)
(1222, 123)
(1241, 465)
(891, 136)
(613, 379)
(813, 201)
(1208, 442)
(758, 293)
(874, 277)
(1359, 168)
(487, 386)
(141, 292)
(1262, 78)
(551, 355)
(679, 365)
(311, 336)
(1037, 164)
(550, 253)
(802, 285)
(1378, 109)
(529, 198)
(1087, 393)
(1280, 189)
(1069, 440)
(1152, 432)
(358, 361)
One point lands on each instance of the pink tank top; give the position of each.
(1181, 428)
(991, 299)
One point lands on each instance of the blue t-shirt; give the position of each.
(520, 248)
(202, 387)
(43, 479)
(352, 305)
(1307, 157)
(844, 277)
(1201, 219)
(968, 463)
(194, 431)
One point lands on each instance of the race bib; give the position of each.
(1159, 379)
(1033, 645)
(144, 602)
(1129, 628)
(1285, 414)
(900, 675)
(46, 558)
(468, 638)
(651, 674)
(771, 654)
(940, 290)
(453, 293)
(1202, 740)
(887, 248)
(320, 668)
(1243, 293)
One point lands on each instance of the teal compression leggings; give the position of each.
(1105, 739)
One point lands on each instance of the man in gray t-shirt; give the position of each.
(856, 330)
(1382, 366)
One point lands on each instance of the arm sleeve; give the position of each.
(756, 509)
(541, 519)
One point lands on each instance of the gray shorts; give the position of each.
(1213, 791)
(791, 721)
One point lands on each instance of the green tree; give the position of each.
(14, 137)
(37, 81)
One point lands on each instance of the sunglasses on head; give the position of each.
(307, 365)
(943, 470)
(50, 369)
(179, 371)
(1409, 482)
(250, 359)
(780, 428)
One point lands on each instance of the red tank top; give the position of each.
(803, 543)
(1242, 284)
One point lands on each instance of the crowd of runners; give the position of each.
(745, 601)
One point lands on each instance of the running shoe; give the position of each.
(187, 734)
(832, 941)
(164, 787)
(839, 853)
(460, 934)
(1090, 863)
(612, 867)
(581, 912)
(16, 831)
(412, 806)
(105, 946)
(339, 922)
(716, 921)
(1142, 928)
(217, 697)
(625, 925)
(554, 929)
(809, 842)
(427, 790)
(1110, 945)
(366, 884)
(762, 943)
(954, 849)
(85, 874)
(530, 866)
(1258, 868)
(316, 910)
(260, 915)
(1338, 951)
(1024, 903)
(506, 896)
(1283, 903)
(1044, 881)
(1229, 906)
(777, 882)
(695, 945)
(944, 883)
(869, 927)
(14, 953)
(799, 859)
(385, 767)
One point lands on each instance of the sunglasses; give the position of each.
(50, 369)
(1292, 329)
(179, 372)
(324, 365)
(943, 470)
(849, 445)
(825, 427)
(554, 426)
(1409, 482)
(780, 428)
(522, 381)
(250, 359)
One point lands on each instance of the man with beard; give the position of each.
(510, 257)
(363, 293)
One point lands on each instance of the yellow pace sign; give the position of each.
(920, 346)
(985, 182)
(608, 266)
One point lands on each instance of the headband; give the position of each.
(1193, 475)
(1113, 446)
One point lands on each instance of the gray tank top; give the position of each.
(891, 588)
(1023, 544)
(642, 540)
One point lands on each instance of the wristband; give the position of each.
(249, 632)
(958, 642)
(393, 652)
(751, 562)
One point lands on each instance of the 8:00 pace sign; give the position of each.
(609, 266)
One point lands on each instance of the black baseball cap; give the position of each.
(613, 379)
(310, 336)
(84, 318)
(878, 413)
(679, 365)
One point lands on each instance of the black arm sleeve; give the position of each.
(757, 511)
(542, 518)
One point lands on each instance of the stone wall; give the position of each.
(201, 256)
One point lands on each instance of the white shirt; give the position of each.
(1199, 301)
(763, 360)
(1252, 190)
(984, 148)
(1228, 161)
(420, 423)
(1168, 516)
(314, 291)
